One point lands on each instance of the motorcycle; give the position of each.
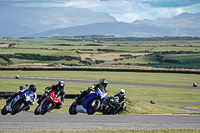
(47, 104)
(19, 103)
(90, 104)
(112, 106)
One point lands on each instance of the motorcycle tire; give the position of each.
(19, 106)
(106, 110)
(92, 109)
(46, 107)
(36, 112)
(4, 111)
(72, 109)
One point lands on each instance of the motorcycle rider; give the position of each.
(102, 85)
(122, 100)
(32, 88)
(58, 89)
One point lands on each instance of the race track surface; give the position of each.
(27, 121)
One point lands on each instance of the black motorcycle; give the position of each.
(112, 106)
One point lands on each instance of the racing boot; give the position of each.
(8, 100)
(41, 98)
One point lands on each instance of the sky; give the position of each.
(123, 10)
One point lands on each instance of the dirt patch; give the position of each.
(4, 45)
(32, 64)
(107, 56)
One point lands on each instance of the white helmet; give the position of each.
(122, 91)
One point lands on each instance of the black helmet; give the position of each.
(32, 87)
(103, 83)
(61, 84)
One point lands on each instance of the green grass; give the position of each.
(177, 48)
(72, 48)
(135, 77)
(121, 131)
(139, 60)
(51, 47)
(183, 58)
(20, 62)
(39, 51)
(130, 48)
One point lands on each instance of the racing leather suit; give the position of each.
(122, 101)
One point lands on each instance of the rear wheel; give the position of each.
(72, 109)
(46, 107)
(4, 111)
(93, 107)
(19, 106)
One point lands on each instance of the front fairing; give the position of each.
(28, 96)
(99, 94)
(25, 96)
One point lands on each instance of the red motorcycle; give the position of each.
(47, 104)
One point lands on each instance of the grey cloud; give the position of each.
(171, 3)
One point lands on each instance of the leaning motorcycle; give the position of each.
(90, 104)
(47, 104)
(111, 106)
(19, 103)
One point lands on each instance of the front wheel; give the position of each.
(93, 107)
(37, 110)
(19, 106)
(106, 110)
(72, 109)
(4, 111)
(46, 107)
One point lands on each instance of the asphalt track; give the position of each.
(27, 121)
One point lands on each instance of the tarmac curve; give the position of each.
(27, 121)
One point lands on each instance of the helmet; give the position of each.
(103, 83)
(122, 92)
(61, 84)
(32, 87)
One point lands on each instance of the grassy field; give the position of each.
(39, 51)
(106, 51)
(135, 77)
(133, 93)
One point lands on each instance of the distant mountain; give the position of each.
(185, 24)
(39, 19)
(182, 25)
(71, 21)
(10, 28)
(109, 28)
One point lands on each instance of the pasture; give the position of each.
(101, 51)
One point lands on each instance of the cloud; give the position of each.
(171, 3)
(122, 10)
